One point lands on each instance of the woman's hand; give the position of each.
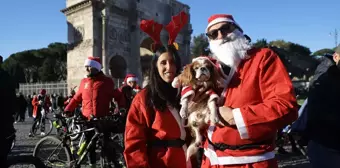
(226, 116)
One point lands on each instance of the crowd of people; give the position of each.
(256, 100)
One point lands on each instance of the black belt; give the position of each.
(166, 143)
(223, 146)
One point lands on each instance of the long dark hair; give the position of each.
(160, 93)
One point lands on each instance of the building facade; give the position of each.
(109, 29)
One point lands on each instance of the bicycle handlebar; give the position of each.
(95, 120)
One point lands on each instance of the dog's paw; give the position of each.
(214, 120)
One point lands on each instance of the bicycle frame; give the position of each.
(67, 143)
(88, 146)
(93, 141)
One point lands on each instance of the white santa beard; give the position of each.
(232, 52)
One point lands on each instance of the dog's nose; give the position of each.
(202, 68)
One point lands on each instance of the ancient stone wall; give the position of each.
(110, 30)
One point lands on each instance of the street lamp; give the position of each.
(335, 34)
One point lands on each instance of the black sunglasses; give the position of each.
(224, 29)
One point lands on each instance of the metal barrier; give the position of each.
(53, 87)
(56, 87)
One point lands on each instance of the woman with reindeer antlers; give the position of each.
(155, 136)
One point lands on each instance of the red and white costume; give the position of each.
(188, 92)
(263, 102)
(166, 125)
(132, 78)
(262, 97)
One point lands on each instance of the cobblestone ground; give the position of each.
(25, 146)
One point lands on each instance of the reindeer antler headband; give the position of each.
(153, 29)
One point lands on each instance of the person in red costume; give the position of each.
(257, 100)
(129, 89)
(155, 136)
(96, 93)
(131, 80)
(41, 105)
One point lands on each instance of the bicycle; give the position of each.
(67, 124)
(74, 159)
(21, 160)
(37, 125)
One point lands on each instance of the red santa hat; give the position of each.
(130, 78)
(43, 91)
(218, 18)
(93, 62)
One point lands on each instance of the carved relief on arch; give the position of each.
(118, 35)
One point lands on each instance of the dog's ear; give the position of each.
(186, 75)
(215, 77)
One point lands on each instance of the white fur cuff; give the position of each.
(131, 79)
(241, 126)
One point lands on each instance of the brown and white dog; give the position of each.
(200, 74)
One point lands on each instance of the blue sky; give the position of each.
(34, 24)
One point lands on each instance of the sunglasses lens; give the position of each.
(212, 34)
(225, 29)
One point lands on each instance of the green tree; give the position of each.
(300, 49)
(59, 51)
(279, 44)
(200, 46)
(323, 52)
(291, 47)
(46, 71)
(261, 43)
(31, 62)
(15, 70)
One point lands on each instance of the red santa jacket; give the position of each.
(263, 100)
(95, 94)
(35, 103)
(165, 126)
(68, 100)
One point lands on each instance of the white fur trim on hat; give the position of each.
(201, 59)
(93, 63)
(219, 20)
(131, 79)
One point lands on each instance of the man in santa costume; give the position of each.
(95, 93)
(257, 100)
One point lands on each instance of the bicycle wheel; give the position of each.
(25, 161)
(47, 128)
(52, 152)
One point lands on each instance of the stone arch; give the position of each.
(145, 56)
(117, 67)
